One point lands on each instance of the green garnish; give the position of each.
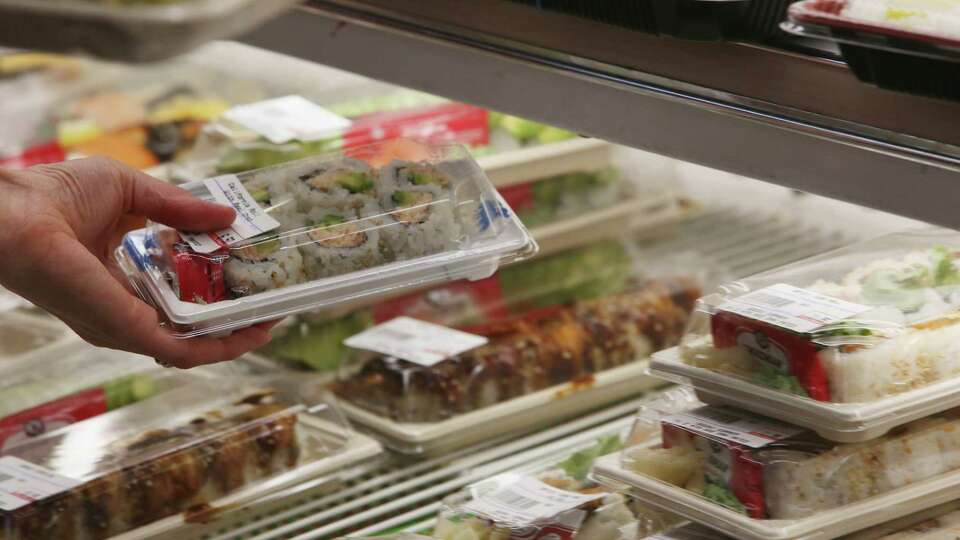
(579, 464)
(773, 378)
(945, 272)
(723, 496)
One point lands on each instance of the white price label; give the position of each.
(793, 308)
(729, 425)
(288, 118)
(251, 219)
(527, 501)
(22, 483)
(415, 341)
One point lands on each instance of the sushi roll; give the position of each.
(335, 242)
(419, 214)
(346, 184)
(265, 264)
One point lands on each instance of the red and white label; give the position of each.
(416, 341)
(792, 308)
(449, 122)
(22, 483)
(251, 219)
(732, 426)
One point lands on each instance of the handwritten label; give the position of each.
(251, 219)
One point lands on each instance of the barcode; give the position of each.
(4, 477)
(394, 334)
(770, 300)
(516, 500)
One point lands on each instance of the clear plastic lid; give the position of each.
(315, 340)
(565, 319)
(58, 386)
(227, 146)
(339, 227)
(177, 453)
(21, 334)
(848, 341)
(897, 18)
(764, 469)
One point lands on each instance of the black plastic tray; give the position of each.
(890, 58)
(703, 20)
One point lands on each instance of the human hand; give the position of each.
(58, 227)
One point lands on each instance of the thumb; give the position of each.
(174, 206)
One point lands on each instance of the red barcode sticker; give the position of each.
(526, 501)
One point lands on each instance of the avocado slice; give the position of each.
(330, 220)
(403, 198)
(356, 182)
(262, 196)
(427, 177)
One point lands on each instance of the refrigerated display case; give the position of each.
(785, 111)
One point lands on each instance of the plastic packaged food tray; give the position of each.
(841, 422)
(850, 343)
(23, 334)
(152, 467)
(58, 386)
(129, 31)
(753, 477)
(511, 417)
(573, 349)
(687, 19)
(384, 217)
(886, 54)
(825, 525)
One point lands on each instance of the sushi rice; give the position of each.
(263, 265)
(337, 241)
(420, 215)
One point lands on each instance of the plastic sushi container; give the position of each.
(567, 351)
(335, 228)
(707, 20)
(155, 467)
(898, 45)
(23, 334)
(941, 522)
(59, 386)
(137, 31)
(753, 477)
(850, 343)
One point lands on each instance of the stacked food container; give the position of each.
(831, 396)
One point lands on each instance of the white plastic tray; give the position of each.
(358, 448)
(513, 416)
(840, 422)
(133, 32)
(821, 526)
